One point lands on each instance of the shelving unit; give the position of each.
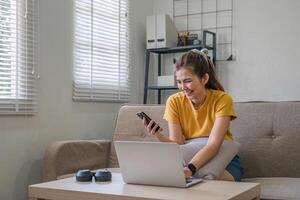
(161, 51)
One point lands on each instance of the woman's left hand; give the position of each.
(187, 172)
(152, 127)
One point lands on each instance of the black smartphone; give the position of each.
(143, 115)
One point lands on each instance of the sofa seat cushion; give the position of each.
(278, 187)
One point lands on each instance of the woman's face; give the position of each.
(192, 86)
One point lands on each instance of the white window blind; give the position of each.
(18, 41)
(101, 51)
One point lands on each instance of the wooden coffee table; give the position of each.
(69, 189)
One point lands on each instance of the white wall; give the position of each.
(267, 51)
(266, 47)
(23, 139)
(139, 10)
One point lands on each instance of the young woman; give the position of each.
(200, 109)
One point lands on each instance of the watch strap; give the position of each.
(193, 168)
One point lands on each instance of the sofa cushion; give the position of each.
(269, 134)
(278, 188)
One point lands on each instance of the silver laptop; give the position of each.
(152, 163)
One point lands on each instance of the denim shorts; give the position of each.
(235, 168)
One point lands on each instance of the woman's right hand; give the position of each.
(152, 130)
(187, 172)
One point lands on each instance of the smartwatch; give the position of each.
(193, 168)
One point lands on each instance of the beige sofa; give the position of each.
(269, 134)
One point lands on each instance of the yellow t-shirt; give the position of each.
(199, 123)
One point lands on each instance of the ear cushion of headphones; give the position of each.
(84, 175)
(102, 175)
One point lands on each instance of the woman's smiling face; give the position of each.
(192, 86)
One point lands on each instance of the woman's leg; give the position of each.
(233, 171)
(226, 176)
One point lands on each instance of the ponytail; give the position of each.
(213, 81)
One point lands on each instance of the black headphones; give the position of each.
(86, 175)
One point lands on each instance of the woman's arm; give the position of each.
(214, 142)
(175, 133)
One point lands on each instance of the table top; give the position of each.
(116, 189)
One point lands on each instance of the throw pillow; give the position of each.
(214, 167)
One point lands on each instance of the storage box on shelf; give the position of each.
(161, 32)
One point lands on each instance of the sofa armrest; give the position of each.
(66, 157)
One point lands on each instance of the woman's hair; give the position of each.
(200, 64)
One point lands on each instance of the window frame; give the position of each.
(89, 79)
(18, 94)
